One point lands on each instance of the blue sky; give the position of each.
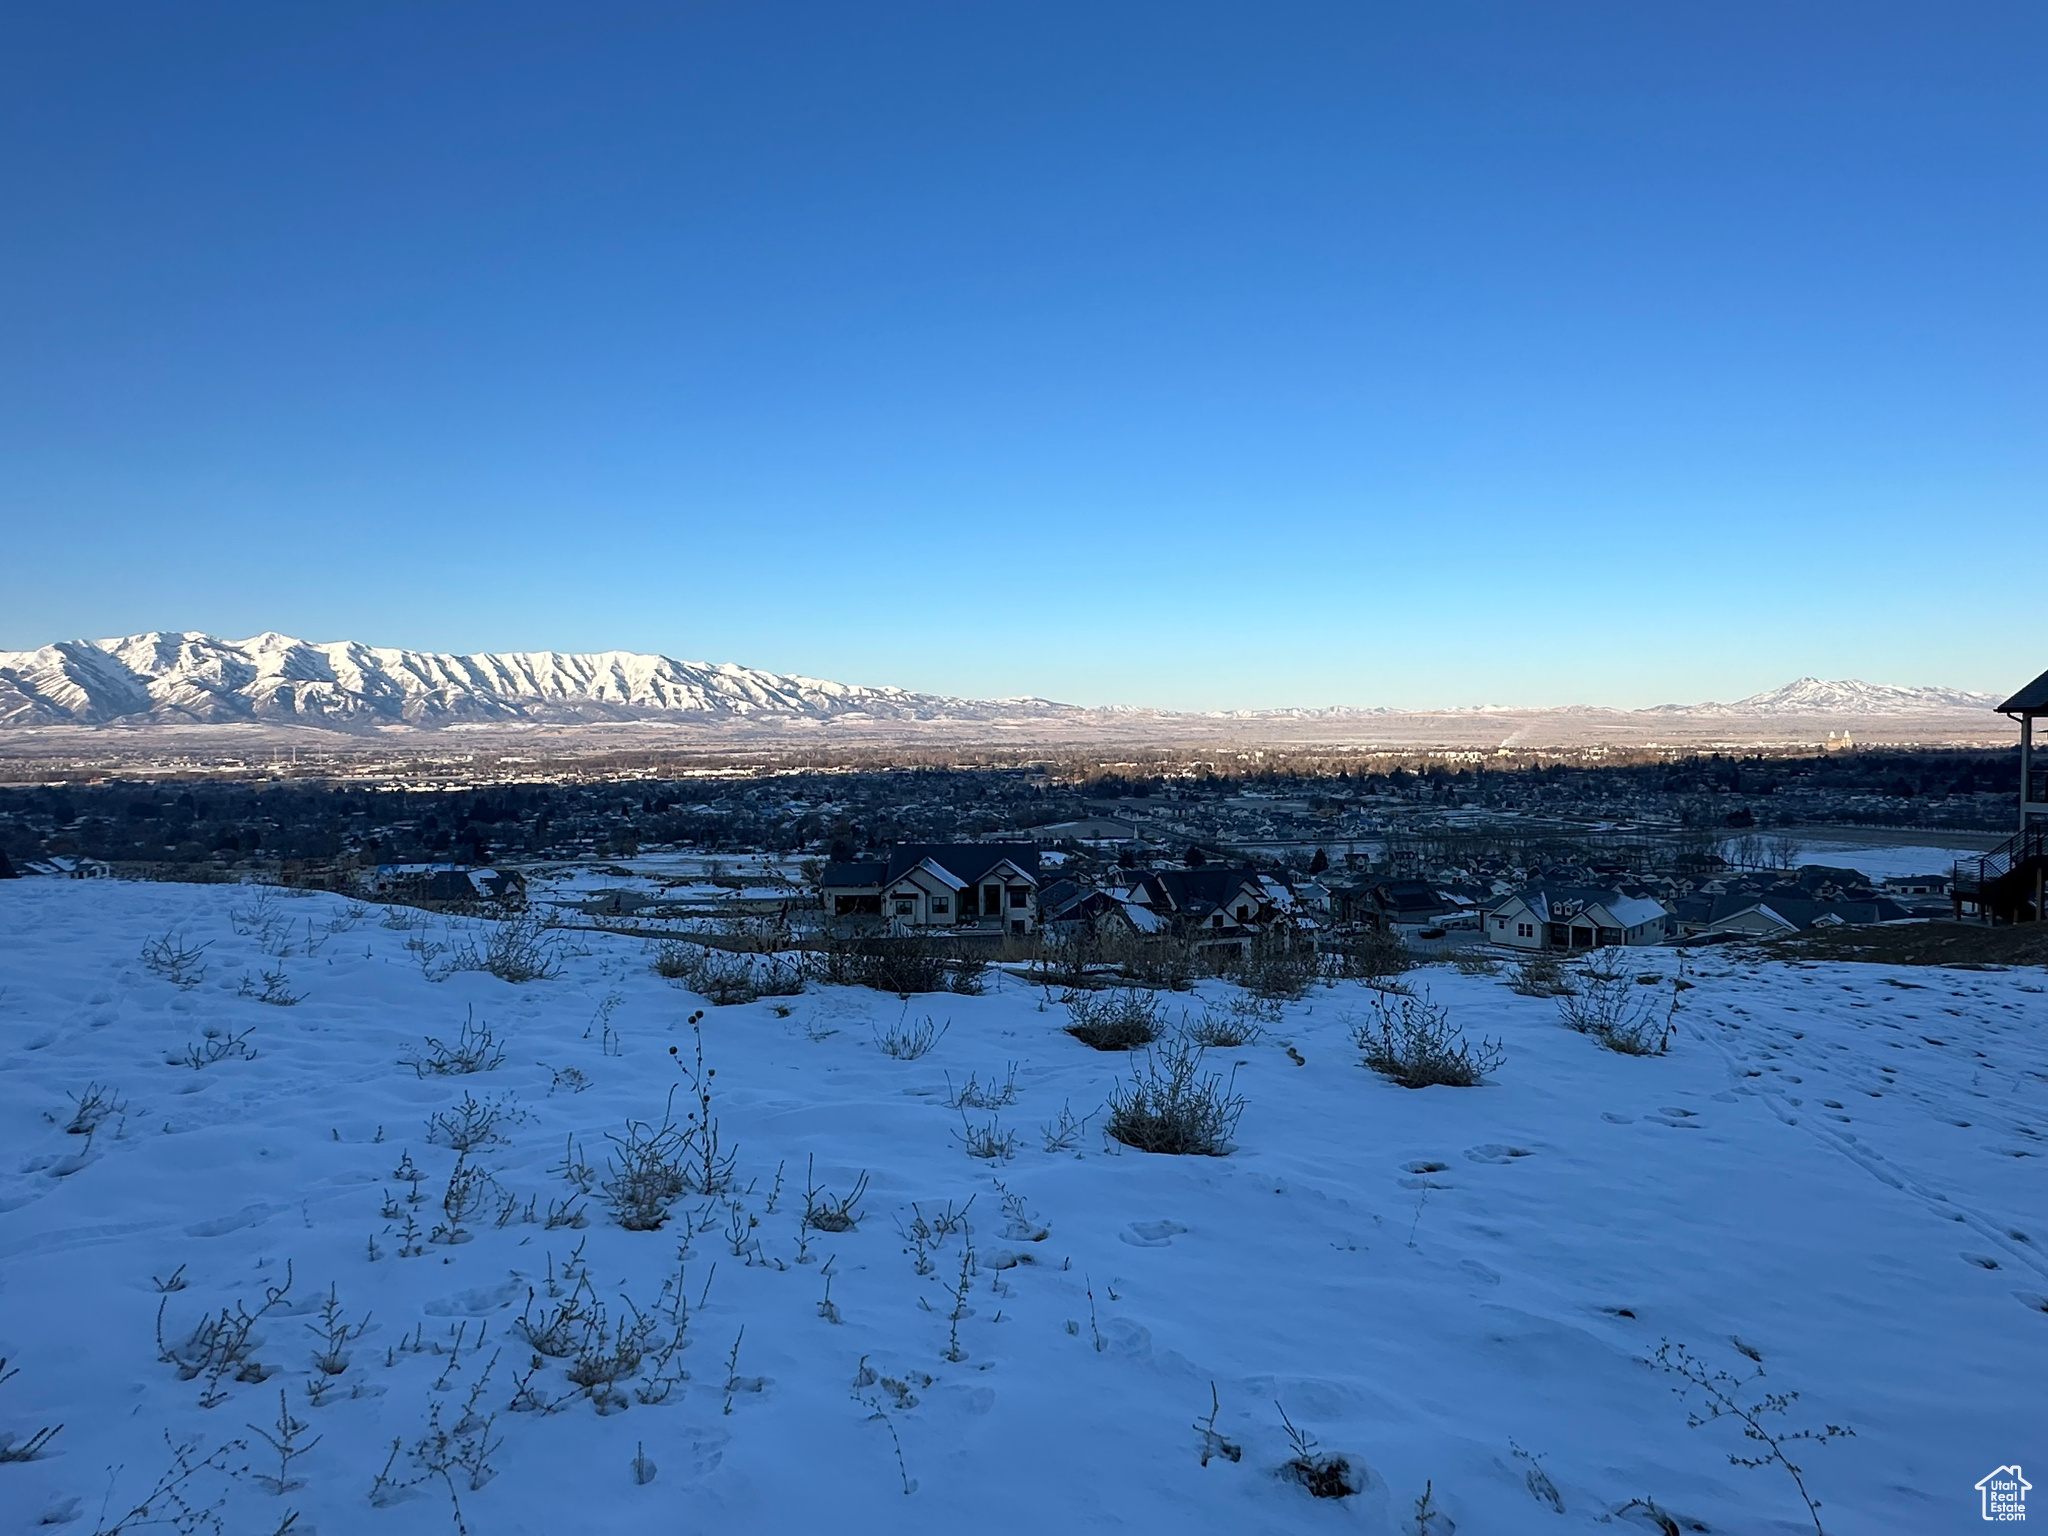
(1194, 355)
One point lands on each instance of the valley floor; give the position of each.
(1840, 1171)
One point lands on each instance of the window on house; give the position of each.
(1020, 895)
(991, 899)
(1525, 930)
(1243, 912)
(1216, 921)
(905, 908)
(941, 904)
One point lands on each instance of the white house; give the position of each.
(1574, 917)
(922, 887)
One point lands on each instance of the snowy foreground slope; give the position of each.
(1840, 1167)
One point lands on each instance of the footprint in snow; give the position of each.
(1422, 1165)
(1981, 1260)
(247, 1216)
(473, 1303)
(1494, 1152)
(1613, 1119)
(1151, 1234)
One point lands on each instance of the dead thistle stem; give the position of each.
(29, 1449)
(286, 1444)
(1214, 1444)
(1720, 1389)
(1426, 1512)
(714, 1171)
(732, 1368)
(336, 1334)
(828, 1309)
(219, 1344)
(166, 1503)
(902, 1470)
(953, 1351)
(1092, 1327)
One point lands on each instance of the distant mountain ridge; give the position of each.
(188, 678)
(167, 678)
(1850, 696)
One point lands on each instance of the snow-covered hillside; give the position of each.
(1837, 1172)
(172, 678)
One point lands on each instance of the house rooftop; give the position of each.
(2030, 700)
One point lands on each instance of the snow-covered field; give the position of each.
(1839, 1169)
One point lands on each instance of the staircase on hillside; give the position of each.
(2007, 884)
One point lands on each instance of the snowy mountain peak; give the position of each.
(1853, 696)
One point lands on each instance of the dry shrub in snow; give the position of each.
(220, 1344)
(1278, 965)
(975, 1094)
(1171, 1106)
(13, 1448)
(723, 978)
(647, 1172)
(1472, 962)
(1723, 1396)
(215, 1045)
(988, 1140)
(1372, 955)
(475, 1049)
(472, 1123)
(823, 1213)
(519, 950)
(908, 1042)
(1153, 960)
(1539, 976)
(1113, 1021)
(179, 963)
(1613, 1010)
(1412, 1040)
(1324, 1475)
(1242, 1023)
(275, 990)
(902, 966)
(97, 1105)
(675, 960)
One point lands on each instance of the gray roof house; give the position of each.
(952, 887)
(1570, 917)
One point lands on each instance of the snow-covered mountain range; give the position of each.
(186, 679)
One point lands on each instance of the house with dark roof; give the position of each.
(446, 882)
(1916, 885)
(939, 887)
(1576, 917)
(1388, 901)
(1218, 908)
